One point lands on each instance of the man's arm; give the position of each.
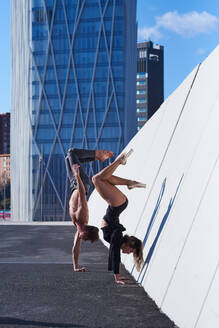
(76, 253)
(81, 189)
(81, 211)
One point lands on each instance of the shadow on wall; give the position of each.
(162, 224)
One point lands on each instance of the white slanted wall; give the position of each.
(177, 216)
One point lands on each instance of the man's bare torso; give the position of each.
(78, 209)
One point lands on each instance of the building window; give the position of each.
(153, 57)
(142, 54)
(141, 75)
(141, 83)
(141, 110)
(141, 101)
(141, 92)
(39, 16)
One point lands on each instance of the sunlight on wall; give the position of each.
(176, 154)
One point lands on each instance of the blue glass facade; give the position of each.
(81, 90)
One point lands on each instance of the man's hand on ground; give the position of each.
(83, 269)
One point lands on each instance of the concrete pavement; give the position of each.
(38, 287)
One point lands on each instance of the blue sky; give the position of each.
(188, 30)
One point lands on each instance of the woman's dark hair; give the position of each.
(92, 233)
(136, 244)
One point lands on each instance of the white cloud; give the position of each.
(147, 33)
(187, 25)
(201, 51)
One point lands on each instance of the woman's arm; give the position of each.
(114, 252)
(115, 258)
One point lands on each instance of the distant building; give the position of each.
(150, 80)
(5, 133)
(74, 68)
(4, 168)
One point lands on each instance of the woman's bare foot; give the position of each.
(136, 184)
(123, 158)
(102, 155)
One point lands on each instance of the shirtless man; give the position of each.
(79, 185)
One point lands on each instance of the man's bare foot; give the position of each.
(102, 155)
(136, 184)
(75, 169)
(123, 158)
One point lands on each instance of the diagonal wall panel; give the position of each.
(177, 155)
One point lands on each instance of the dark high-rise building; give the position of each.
(150, 80)
(5, 133)
(74, 72)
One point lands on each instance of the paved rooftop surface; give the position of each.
(38, 287)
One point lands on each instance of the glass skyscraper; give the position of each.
(5, 133)
(73, 85)
(150, 80)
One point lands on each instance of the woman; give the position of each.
(105, 183)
